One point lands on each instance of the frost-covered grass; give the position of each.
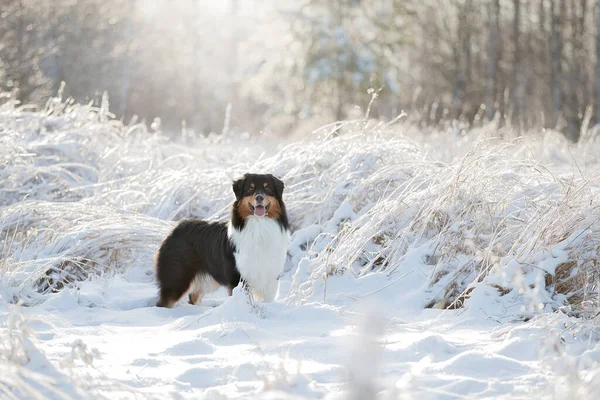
(496, 215)
(501, 229)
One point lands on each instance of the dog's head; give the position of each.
(259, 195)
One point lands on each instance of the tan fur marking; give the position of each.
(252, 186)
(196, 296)
(265, 185)
(244, 210)
(274, 207)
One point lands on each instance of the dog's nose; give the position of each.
(259, 198)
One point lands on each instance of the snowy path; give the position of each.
(294, 351)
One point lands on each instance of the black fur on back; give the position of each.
(194, 247)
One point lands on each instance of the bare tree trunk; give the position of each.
(232, 67)
(492, 64)
(459, 84)
(339, 105)
(556, 61)
(530, 90)
(21, 74)
(55, 72)
(573, 107)
(581, 55)
(543, 61)
(462, 59)
(126, 71)
(467, 47)
(597, 61)
(518, 83)
(336, 14)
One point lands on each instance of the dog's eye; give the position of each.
(250, 190)
(268, 190)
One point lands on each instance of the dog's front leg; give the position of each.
(271, 290)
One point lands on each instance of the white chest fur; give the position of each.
(261, 250)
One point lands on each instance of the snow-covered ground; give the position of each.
(423, 264)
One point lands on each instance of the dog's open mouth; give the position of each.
(259, 211)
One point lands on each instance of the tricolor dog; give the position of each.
(199, 256)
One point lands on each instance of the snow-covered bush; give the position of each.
(83, 195)
(500, 215)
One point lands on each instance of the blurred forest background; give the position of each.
(276, 66)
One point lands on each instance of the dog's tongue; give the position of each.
(259, 211)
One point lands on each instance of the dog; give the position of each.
(199, 256)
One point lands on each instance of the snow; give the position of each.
(390, 225)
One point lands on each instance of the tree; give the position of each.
(597, 60)
(493, 56)
(556, 56)
(532, 63)
(21, 47)
(518, 83)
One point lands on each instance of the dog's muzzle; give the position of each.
(260, 209)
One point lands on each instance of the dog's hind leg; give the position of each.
(201, 285)
(170, 295)
(196, 296)
(166, 302)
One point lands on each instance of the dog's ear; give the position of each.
(278, 186)
(238, 187)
